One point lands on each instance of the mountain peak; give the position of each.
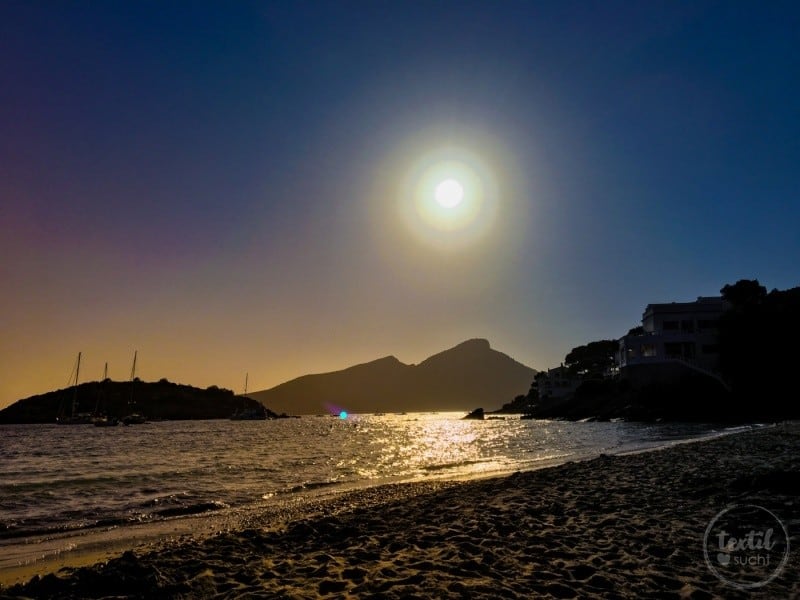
(474, 343)
(476, 347)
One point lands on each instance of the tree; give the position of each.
(745, 292)
(593, 358)
(754, 355)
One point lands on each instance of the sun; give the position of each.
(448, 197)
(449, 193)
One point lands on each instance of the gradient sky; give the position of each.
(224, 187)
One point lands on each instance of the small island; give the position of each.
(162, 400)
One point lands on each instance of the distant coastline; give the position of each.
(467, 375)
(716, 359)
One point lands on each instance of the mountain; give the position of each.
(469, 375)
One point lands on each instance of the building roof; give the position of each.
(702, 304)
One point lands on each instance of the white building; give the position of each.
(557, 383)
(678, 332)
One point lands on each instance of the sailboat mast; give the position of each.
(100, 390)
(75, 395)
(133, 373)
(246, 375)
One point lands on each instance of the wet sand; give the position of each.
(625, 526)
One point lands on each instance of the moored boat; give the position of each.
(134, 418)
(74, 417)
(100, 418)
(249, 413)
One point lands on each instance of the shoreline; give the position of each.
(629, 525)
(94, 546)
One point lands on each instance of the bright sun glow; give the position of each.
(448, 197)
(449, 193)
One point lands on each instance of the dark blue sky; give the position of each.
(219, 185)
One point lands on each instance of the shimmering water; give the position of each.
(62, 478)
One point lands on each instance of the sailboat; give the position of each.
(100, 419)
(135, 418)
(74, 417)
(248, 414)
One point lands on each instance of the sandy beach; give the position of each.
(627, 526)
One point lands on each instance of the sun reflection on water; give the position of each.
(70, 480)
(427, 447)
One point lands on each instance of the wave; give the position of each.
(76, 521)
(191, 509)
(454, 465)
(307, 487)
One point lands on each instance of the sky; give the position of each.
(249, 187)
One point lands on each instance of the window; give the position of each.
(707, 324)
(687, 326)
(670, 325)
(649, 350)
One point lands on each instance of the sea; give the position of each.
(60, 482)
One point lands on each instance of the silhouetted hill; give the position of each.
(157, 400)
(469, 375)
